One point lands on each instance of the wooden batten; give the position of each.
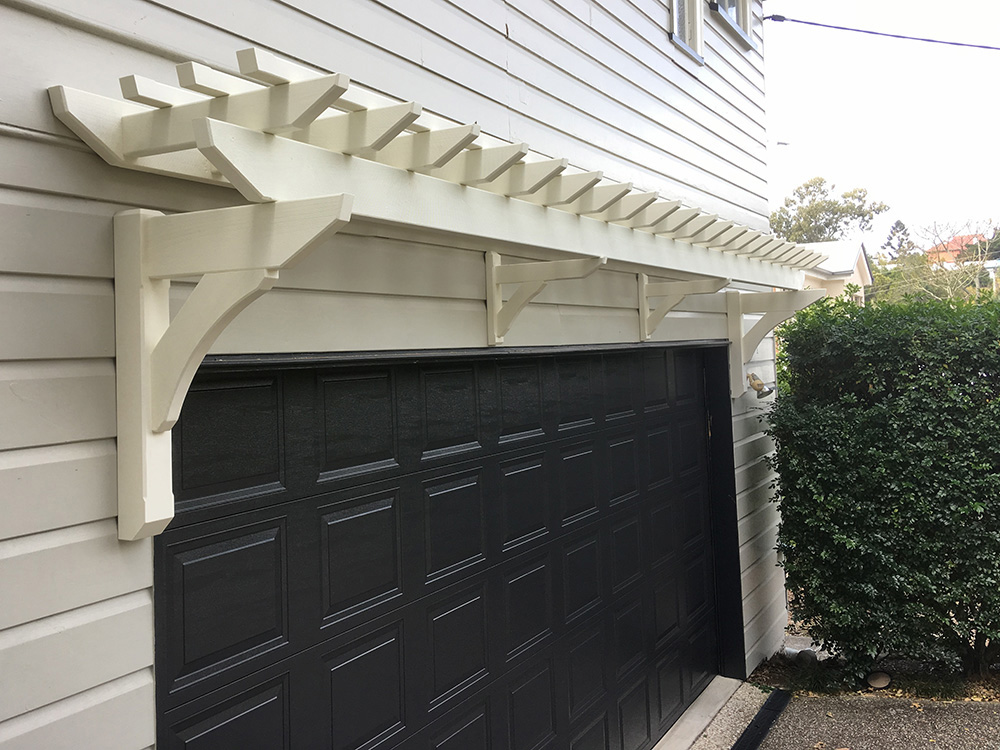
(427, 150)
(599, 198)
(564, 189)
(628, 207)
(206, 80)
(475, 166)
(527, 178)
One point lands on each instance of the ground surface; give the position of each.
(873, 722)
(732, 719)
(924, 707)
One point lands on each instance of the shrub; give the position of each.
(887, 429)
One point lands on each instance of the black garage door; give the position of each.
(509, 552)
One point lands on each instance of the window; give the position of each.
(736, 17)
(729, 8)
(686, 22)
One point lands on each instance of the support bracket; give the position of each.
(238, 253)
(671, 294)
(532, 278)
(776, 308)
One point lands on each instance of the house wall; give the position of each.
(764, 610)
(608, 92)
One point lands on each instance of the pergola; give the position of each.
(311, 152)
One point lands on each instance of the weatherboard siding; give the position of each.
(764, 610)
(596, 82)
(76, 631)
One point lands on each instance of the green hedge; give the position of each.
(887, 429)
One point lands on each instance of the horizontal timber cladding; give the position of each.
(505, 551)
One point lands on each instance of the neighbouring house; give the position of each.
(947, 253)
(846, 263)
(373, 374)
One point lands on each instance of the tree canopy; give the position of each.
(899, 243)
(814, 214)
(959, 271)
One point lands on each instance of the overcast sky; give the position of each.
(916, 124)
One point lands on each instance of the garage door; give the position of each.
(508, 551)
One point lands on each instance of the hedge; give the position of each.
(887, 427)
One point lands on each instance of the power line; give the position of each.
(880, 33)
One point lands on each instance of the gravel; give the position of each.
(734, 717)
(871, 722)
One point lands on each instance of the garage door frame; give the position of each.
(728, 612)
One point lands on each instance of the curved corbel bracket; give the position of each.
(532, 278)
(775, 307)
(670, 294)
(238, 253)
(208, 310)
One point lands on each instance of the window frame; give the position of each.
(691, 39)
(741, 27)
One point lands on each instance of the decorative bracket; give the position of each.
(777, 307)
(672, 293)
(532, 277)
(238, 253)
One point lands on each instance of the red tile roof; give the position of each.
(947, 252)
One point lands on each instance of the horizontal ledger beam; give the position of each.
(282, 169)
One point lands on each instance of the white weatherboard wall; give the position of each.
(597, 82)
(764, 610)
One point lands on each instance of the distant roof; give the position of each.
(842, 256)
(948, 252)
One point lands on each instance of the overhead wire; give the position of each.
(779, 18)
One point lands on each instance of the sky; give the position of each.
(916, 124)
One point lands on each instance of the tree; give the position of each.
(955, 268)
(888, 460)
(813, 214)
(898, 242)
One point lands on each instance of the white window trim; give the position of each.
(741, 27)
(690, 40)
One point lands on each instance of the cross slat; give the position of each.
(565, 189)
(276, 109)
(652, 215)
(355, 132)
(155, 94)
(527, 178)
(206, 80)
(427, 150)
(599, 198)
(628, 206)
(478, 165)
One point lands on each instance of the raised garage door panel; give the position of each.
(505, 552)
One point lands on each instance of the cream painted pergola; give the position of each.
(312, 152)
